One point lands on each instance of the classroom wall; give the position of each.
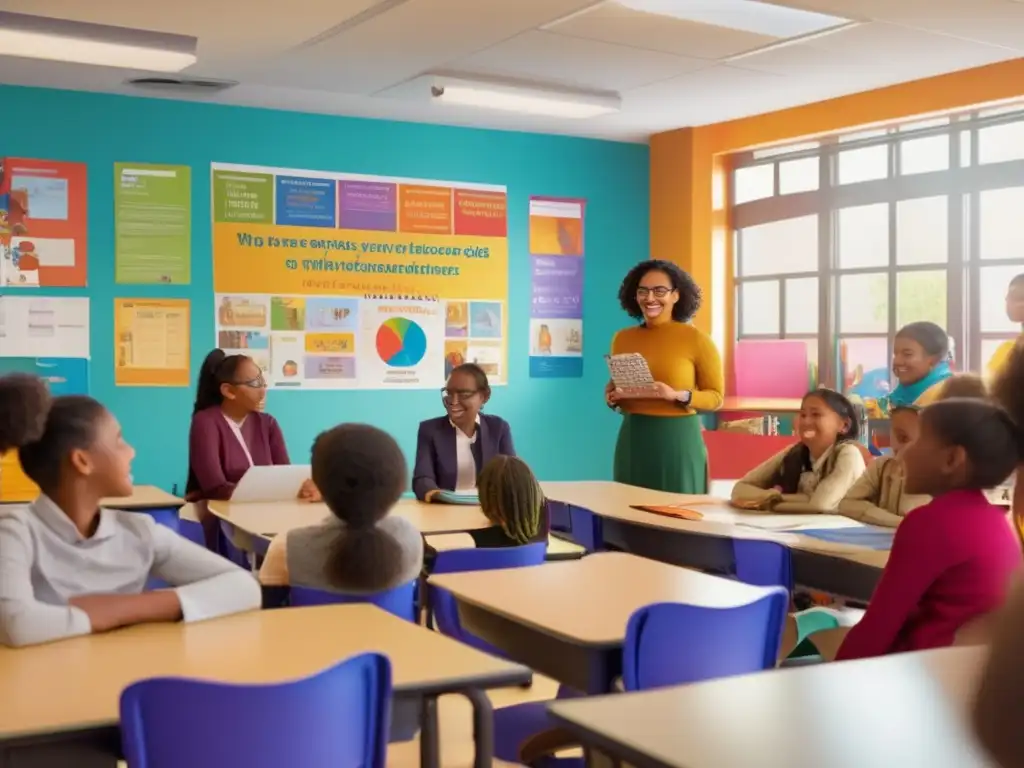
(689, 221)
(561, 426)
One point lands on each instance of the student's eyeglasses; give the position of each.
(661, 292)
(258, 383)
(448, 395)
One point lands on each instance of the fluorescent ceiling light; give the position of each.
(36, 37)
(533, 101)
(744, 15)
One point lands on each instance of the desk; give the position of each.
(903, 710)
(267, 520)
(568, 620)
(841, 569)
(76, 724)
(558, 549)
(144, 498)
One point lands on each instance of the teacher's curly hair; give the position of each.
(689, 292)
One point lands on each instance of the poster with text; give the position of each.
(338, 281)
(151, 342)
(152, 223)
(42, 224)
(556, 281)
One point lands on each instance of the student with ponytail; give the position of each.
(69, 567)
(361, 549)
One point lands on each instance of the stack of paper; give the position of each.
(458, 497)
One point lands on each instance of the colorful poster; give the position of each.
(44, 326)
(151, 342)
(556, 302)
(337, 281)
(42, 224)
(152, 223)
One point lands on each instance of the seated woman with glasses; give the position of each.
(230, 433)
(451, 450)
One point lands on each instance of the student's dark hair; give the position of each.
(510, 497)
(42, 428)
(689, 292)
(479, 376)
(969, 385)
(932, 338)
(985, 431)
(798, 459)
(361, 473)
(218, 368)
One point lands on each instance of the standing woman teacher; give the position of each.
(660, 444)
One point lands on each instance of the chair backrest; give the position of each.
(338, 718)
(228, 549)
(400, 601)
(586, 529)
(763, 563)
(444, 610)
(674, 644)
(558, 516)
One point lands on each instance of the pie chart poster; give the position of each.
(402, 343)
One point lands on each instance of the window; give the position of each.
(885, 226)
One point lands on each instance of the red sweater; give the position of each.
(951, 561)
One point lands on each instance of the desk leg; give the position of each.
(430, 746)
(483, 727)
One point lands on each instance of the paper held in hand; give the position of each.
(630, 373)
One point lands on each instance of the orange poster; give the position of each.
(43, 223)
(151, 342)
(425, 210)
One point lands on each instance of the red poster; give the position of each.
(44, 223)
(480, 213)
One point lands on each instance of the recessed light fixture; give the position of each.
(527, 100)
(761, 18)
(37, 37)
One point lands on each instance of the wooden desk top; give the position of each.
(908, 709)
(269, 519)
(589, 601)
(145, 497)
(762, 404)
(614, 500)
(556, 546)
(88, 674)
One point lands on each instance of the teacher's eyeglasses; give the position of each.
(450, 395)
(661, 292)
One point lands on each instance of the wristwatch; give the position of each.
(684, 397)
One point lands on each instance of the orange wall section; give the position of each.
(688, 222)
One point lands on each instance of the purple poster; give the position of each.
(368, 205)
(556, 287)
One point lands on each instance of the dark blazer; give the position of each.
(436, 462)
(216, 461)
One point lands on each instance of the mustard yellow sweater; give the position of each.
(680, 356)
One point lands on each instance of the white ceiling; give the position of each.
(350, 57)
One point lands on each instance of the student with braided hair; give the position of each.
(511, 498)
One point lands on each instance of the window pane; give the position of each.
(999, 223)
(864, 303)
(754, 183)
(812, 363)
(802, 305)
(864, 236)
(999, 143)
(965, 149)
(759, 305)
(924, 155)
(864, 164)
(931, 122)
(871, 133)
(864, 366)
(785, 149)
(994, 283)
(798, 175)
(921, 296)
(922, 231)
(779, 247)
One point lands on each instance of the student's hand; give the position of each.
(309, 492)
(429, 496)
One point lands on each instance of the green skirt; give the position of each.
(666, 453)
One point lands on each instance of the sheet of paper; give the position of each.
(797, 522)
(44, 326)
(151, 338)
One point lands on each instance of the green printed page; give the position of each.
(153, 223)
(243, 197)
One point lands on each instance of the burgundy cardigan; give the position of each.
(216, 461)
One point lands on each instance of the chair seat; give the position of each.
(515, 724)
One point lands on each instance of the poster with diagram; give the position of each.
(337, 281)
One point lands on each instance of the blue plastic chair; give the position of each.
(168, 518)
(586, 529)
(442, 606)
(559, 516)
(337, 718)
(229, 550)
(667, 644)
(763, 563)
(399, 601)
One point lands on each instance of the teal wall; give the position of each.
(560, 426)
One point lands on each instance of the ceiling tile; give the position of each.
(613, 23)
(547, 57)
